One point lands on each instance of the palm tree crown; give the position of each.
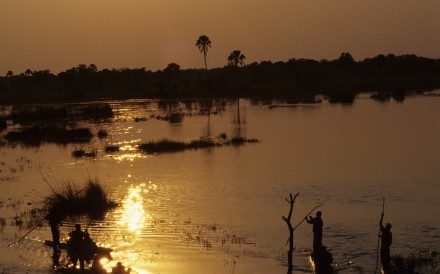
(203, 43)
(236, 58)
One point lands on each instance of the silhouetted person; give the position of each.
(120, 269)
(75, 246)
(387, 240)
(323, 261)
(317, 230)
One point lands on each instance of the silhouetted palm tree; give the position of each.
(236, 58)
(203, 43)
(28, 72)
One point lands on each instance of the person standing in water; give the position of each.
(387, 240)
(317, 230)
(75, 246)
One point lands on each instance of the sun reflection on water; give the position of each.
(132, 220)
(133, 215)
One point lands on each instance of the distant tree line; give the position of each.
(342, 76)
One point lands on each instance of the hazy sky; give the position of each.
(60, 34)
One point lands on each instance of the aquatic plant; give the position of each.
(102, 133)
(162, 146)
(165, 145)
(237, 141)
(39, 114)
(98, 111)
(79, 153)
(3, 125)
(110, 149)
(35, 135)
(71, 200)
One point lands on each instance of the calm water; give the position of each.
(220, 209)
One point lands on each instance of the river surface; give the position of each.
(220, 210)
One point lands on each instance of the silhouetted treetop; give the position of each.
(236, 58)
(204, 43)
(388, 73)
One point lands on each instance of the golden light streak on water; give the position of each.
(133, 215)
(133, 220)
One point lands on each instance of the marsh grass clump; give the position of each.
(72, 200)
(202, 143)
(237, 141)
(162, 146)
(102, 133)
(80, 153)
(166, 146)
(35, 135)
(98, 112)
(40, 114)
(3, 125)
(111, 149)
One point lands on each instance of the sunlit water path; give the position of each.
(220, 209)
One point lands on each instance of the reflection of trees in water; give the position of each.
(238, 121)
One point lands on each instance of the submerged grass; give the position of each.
(167, 146)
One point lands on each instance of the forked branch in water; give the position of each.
(291, 201)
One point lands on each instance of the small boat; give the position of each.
(90, 249)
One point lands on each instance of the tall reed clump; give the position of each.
(71, 200)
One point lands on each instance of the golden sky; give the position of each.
(60, 34)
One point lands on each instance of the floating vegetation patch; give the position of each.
(167, 146)
(39, 114)
(140, 119)
(80, 153)
(3, 125)
(98, 112)
(111, 149)
(102, 133)
(36, 135)
(173, 118)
